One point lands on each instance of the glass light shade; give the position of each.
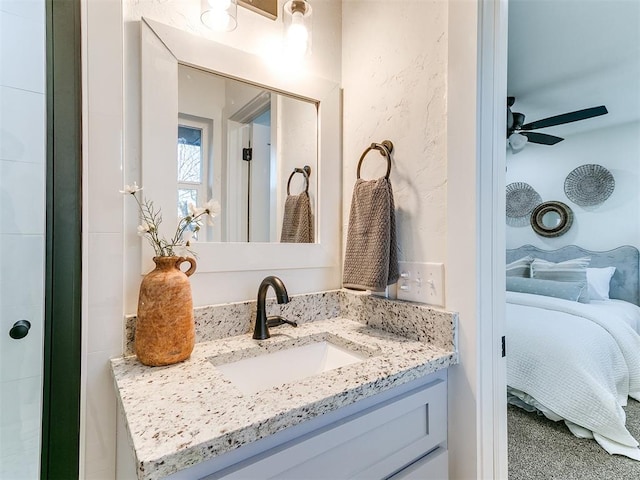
(297, 27)
(517, 142)
(220, 15)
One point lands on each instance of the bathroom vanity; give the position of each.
(379, 412)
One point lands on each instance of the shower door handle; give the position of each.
(20, 329)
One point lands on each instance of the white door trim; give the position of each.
(492, 92)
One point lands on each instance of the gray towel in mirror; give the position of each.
(297, 220)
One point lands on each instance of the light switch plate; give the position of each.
(421, 282)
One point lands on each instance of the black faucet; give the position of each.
(261, 332)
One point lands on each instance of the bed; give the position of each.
(578, 362)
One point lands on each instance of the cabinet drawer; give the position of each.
(373, 443)
(434, 466)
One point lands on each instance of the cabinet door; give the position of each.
(371, 444)
(434, 466)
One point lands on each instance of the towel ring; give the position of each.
(385, 148)
(306, 171)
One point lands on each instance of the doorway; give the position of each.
(565, 66)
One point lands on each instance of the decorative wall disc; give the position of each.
(521, 200)
(589, 185)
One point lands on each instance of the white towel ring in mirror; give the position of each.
(551, 219)
(306, 173)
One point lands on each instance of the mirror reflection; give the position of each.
(239, 144)
(551, 219)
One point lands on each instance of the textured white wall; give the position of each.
(601, 227)
(394, 79)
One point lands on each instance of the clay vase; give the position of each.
(165, 331)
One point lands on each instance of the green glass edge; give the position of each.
(60, 450)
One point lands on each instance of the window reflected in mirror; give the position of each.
(193, 164)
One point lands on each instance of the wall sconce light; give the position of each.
(219, 15)
(297, 27)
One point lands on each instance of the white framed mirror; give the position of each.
(170, 56)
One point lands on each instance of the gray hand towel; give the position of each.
(371, 257)
(297, 221)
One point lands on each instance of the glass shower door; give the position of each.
(22, 234)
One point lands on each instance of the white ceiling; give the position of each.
(566, 55)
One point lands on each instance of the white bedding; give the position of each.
(577, 362)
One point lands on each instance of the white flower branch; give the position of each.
(150, 221)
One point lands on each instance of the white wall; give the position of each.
(601, 227)
(103, 252)
(22, 228)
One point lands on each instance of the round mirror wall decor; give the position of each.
(589, 185)
(551, 219)
(521, 199)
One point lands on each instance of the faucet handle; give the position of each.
(275, 320)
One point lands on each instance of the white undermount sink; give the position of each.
(253, 374)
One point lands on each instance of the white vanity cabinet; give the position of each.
(398, 434)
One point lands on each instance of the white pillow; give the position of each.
(599, 280)
(574, 270)
(520, 267)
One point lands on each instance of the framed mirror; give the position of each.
(250, 127)
(551, 219)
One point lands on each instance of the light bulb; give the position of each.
(297, 32)
(297, 35)
(219, 15)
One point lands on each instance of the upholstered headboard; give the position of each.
(625, 282)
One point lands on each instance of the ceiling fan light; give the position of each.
(517, 141)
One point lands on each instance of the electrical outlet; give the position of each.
(421, 282)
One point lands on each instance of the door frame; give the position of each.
(60, 441)
(491, 121)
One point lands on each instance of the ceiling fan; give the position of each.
(519, 133)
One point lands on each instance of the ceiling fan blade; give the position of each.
(542, 138)
(566, 118)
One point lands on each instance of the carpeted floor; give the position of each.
(541, 449)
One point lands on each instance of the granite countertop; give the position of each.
(183, 414)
